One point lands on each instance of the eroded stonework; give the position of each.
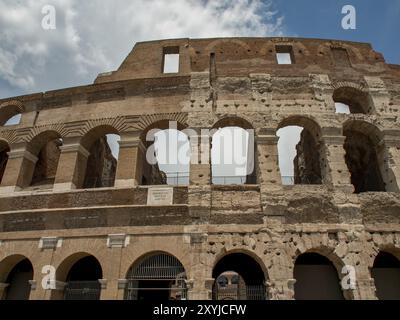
(221, 82)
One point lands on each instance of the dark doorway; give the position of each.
(83, 280)
(19, 287)
(316, 278)
(386, 273)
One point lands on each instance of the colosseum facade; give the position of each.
(76, 223)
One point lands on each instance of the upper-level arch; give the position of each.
(364, 155)
(10, 109)
(233, 151)
(300, 150)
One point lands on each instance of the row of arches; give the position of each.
(161, 276)
(301, 153)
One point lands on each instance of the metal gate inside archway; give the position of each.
(158, 277)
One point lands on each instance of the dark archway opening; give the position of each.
(386, 273)
(102, 163)
(316, 278)
(18, 279)
(46, 165)
(247, 275)
(157, 277)
(355, 100)
(362, 161)
(83, 280)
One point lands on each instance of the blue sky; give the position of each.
(378, 22)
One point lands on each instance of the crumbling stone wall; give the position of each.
(101, 165)
(218, 79)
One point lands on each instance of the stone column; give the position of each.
(280, 289)
(334, 168)
(132, 153)
(71, 167)
(365, 289)
(200, 158)
(267, 160)
(390, 158)
(19, 170)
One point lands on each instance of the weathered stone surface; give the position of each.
(221, 82)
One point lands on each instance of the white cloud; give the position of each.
(95, 36)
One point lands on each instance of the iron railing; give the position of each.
(177, 178)
(226, 180)
(82, 290)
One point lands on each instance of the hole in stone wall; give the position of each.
(14, 120)
(284, 54)
(171, 60)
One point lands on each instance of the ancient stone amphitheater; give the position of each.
(76, 223)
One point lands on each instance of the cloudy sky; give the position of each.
(95, 36)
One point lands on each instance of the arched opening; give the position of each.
(316, 278)
(351, 100)
(238, 277)
(101, 164)
(159, 276)
(82, 281)
(18, 279)
(363, 157)
(386, 273)
(4, 149)
(299, 151)
(166, 159)
(46, 147)
(232, 152)
(10, 115)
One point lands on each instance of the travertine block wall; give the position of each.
(232, 81)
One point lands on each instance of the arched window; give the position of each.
(364, 157)
(46, 147)
(249, 283)
(316, 278)
(20, 272)
(299, 150)
(82, 281)
(386, 273)
(232, 152)
(157, 277)
(351, 100)
(166, 157)
(101, 164)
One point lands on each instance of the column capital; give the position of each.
(22, 153)
(122, 283)
(132, 142)
(3, 285)
(75, 147)
(267, 139)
